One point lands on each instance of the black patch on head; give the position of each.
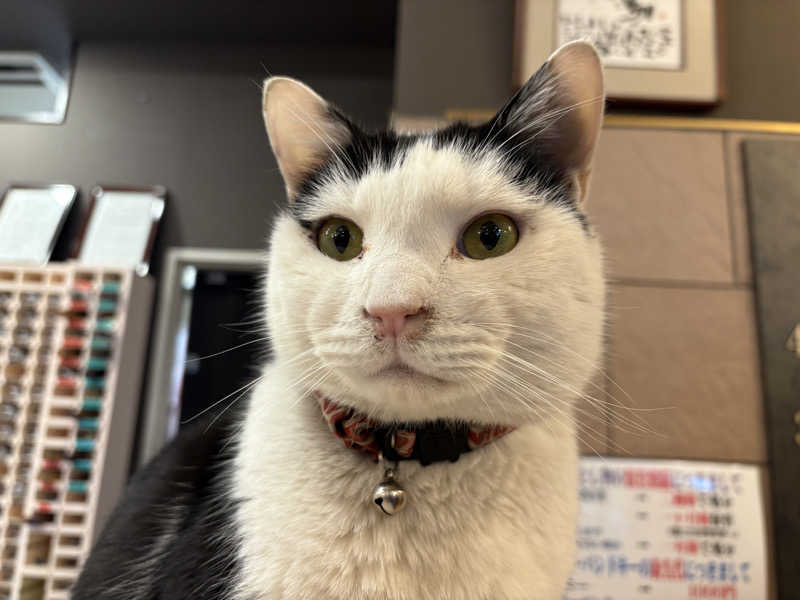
(365, 150)
(531, 165)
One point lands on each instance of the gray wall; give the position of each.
(453, 54)
(188, 117)
(39, 25)
(51, 26)
(761, 60)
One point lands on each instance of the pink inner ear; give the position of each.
(302, 129)
(559, 111)
(580, 78)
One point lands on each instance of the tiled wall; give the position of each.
(682, 348)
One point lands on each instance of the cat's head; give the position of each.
(450, 274)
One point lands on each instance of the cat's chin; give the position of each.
(396, 392)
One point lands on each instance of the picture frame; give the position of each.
(680, 62)
(31, 218)
(120, 226)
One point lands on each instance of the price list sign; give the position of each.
(669, 530)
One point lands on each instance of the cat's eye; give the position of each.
(340, 239)
(489, 236)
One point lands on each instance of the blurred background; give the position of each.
(696, 194)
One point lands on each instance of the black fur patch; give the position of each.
(172, 537)
(528, 163)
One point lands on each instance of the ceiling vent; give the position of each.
(31, 90)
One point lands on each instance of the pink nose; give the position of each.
(396, 321)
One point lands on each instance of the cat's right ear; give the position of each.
(304, 130)
(556, 116)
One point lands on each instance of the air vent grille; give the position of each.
(31, 89)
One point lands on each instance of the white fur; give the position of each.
(497, 524)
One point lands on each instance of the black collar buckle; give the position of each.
(436, 441)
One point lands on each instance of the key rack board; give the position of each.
(72, 345)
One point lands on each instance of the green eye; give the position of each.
(340, 239)
(489, 236)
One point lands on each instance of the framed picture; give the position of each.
(120, 226)
(31, 217)
(658, 51)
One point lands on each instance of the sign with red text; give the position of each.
(669, 530)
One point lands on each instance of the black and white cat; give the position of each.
(437, 299)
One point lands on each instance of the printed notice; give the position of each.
(669, 530)
(120, 227)
(30, 219)
(627, 33)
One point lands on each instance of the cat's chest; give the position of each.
(471, 529)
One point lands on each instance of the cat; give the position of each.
(436, 304)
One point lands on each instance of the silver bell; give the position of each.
(388, 496)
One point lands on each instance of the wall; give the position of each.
(760, 49)
(453, 54)
(187, 116)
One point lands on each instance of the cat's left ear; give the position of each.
(556, 116)
(304, 130)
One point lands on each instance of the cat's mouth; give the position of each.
(401, 370)
(397, 369)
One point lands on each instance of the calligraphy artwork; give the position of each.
(645, 34)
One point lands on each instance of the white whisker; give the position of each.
(231, 349)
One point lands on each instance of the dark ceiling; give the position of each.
(53, 26)
(370, 22)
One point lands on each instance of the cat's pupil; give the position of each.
(489, 235)
(341, 238)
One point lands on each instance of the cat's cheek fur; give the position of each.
(288, 267)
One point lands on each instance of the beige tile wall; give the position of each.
(658, 199)
(670, 208)
(690, 354)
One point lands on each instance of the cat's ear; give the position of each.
(304, 130)
(558, 113)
